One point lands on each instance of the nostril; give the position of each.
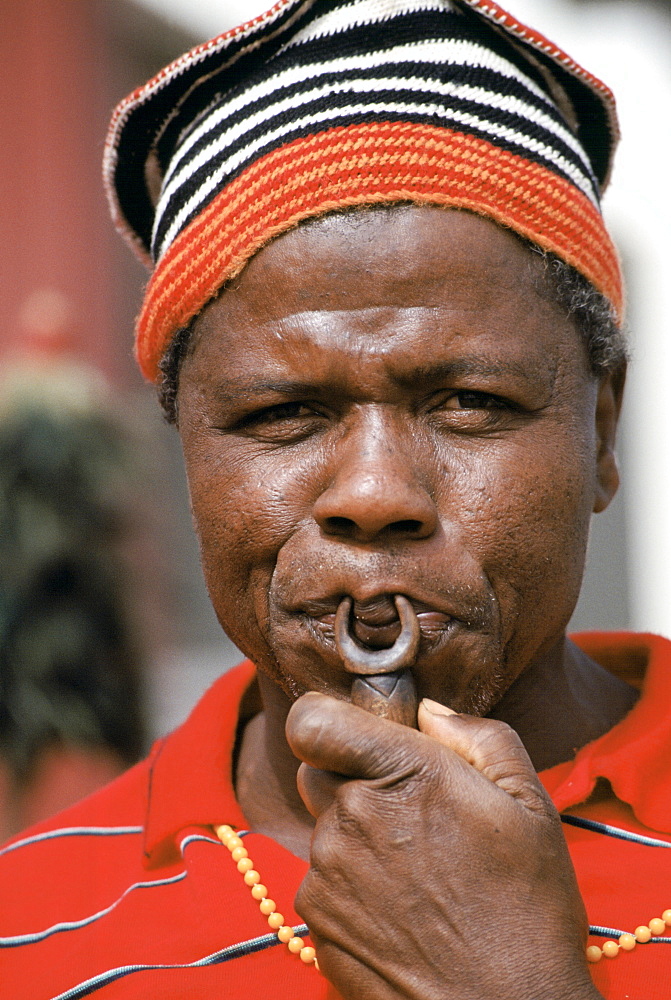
(346, 526)
(339, 525)
(406, 527)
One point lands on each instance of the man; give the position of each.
(383, 317)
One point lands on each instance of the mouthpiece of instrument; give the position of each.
(383, 685)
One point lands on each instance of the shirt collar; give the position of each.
(634, 755)
(191, 769)
(191, 779)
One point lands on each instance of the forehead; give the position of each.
(382, 273)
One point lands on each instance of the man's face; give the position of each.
(390, 402)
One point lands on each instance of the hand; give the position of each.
(438, 864)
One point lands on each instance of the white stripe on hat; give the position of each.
(345, 16)
(434, 53)
(331, 116)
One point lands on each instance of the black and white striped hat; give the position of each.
(316, 105)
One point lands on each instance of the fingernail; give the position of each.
(435, 708)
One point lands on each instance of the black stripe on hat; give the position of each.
(339, 97)
(157, 120)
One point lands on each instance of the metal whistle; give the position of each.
(383, 685)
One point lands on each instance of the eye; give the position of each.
(276, 414)
(469, 399)
(283, 422)
(471, 411)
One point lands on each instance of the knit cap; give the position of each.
(318, 105)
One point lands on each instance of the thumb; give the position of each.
(491, 747)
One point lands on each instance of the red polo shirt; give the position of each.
(129, 894)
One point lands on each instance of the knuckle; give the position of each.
(312, 729)
(498, 742)
(316, 905)
(495, 729)
(305, 721)
(324, 884)
(354, 805)
(306, 902)
(329, 846)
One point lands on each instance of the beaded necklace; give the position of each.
(252, 878)
(240, 857)
(627, 942)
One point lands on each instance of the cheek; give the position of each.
(245, 507)
(525, 508)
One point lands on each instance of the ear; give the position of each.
(608, 405)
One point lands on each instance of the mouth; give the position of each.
(458, 630)
(375, 623)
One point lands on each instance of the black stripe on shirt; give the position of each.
(73, 831)
(239, 950)
(612, 831)
(613, 932)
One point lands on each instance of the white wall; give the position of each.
(628, 45)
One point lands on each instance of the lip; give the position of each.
(431, 624)
(436, 623)
(435, 631)
(324, 608)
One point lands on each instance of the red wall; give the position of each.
(55, 233)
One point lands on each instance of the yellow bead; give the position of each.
(610, 949)
(657, 926)
(316, 965)
(252, 878)
(593, 953)
(666, 917)
(627, 942)
(642, 934)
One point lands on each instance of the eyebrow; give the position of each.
(234, 389)
(470, 364)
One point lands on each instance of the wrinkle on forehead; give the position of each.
(398, 250)
(448, 339)
(334, 380)
(420, 284)
(386, 321)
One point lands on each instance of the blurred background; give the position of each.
(70, 290)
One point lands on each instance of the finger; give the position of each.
(337, 736)
(318, 788)
(491, 747)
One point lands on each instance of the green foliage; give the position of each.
(69, 660)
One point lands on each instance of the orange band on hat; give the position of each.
(370, 163)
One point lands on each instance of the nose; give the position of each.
(376, 490)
